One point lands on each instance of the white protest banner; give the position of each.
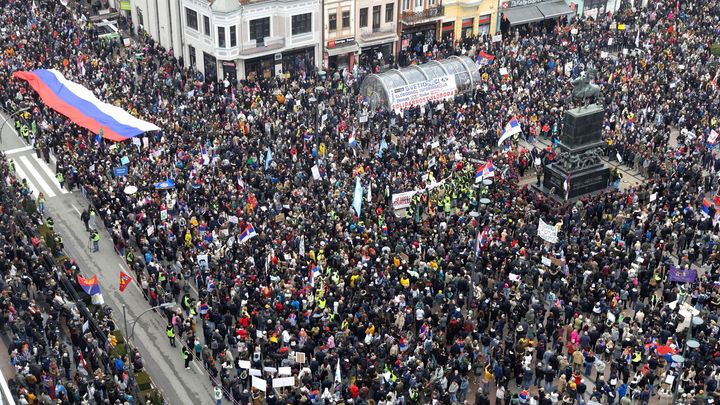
(503, 71)
(300, 357)
(547, 232)
(259, 383)
(202, 261)
(150, 230)
(255, 372)
(713, 137)
(653, 197)
(244, 364)
(497, 38)
(136, 142)
(283, 382)
(233, 219)
(546, 261)
(315, 172)
(284, 370)
(411, 95)
(402, 200)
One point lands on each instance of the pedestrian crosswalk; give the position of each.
(39, 176)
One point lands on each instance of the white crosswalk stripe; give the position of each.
(38, 175)
(44, 167)
(22, 175)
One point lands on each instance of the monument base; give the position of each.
(582, 181)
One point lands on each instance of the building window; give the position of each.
(233, 36)
(468, 24)
(191, 18)
(418, 3)
(376, 17)
(221, 37)
(389, 12)
(346, 19)
(193, 57)
(432, 2)
(406, 5)
(140, 16)
(301, 24)
(259, 29)
(206, 25)
(363, 17)
(332, 21)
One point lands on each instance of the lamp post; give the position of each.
(689, 343)
(132, 330)
(5, 120)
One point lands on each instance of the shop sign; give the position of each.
(519, 3)
(335, 42)
(228, 63)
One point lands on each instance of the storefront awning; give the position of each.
(554, 9)
(341, 50)
(380, 41)
(523, 15)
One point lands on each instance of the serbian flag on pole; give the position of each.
(485, 171)
(248, 234)
(511, 128)
(89, 285)
(706, 205)
(566, 186)
(485, 59)
(81, 106)
(124, 281)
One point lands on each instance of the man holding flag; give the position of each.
(511, 128)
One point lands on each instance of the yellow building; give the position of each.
(466, 18)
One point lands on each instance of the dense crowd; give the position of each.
(398, 309)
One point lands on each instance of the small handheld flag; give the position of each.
(566, 186)
(90, 285)
(248, 234)
(512, 128)
(124, 281)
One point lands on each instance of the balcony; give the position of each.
(370, 33)
(269, 44)
(426, 15)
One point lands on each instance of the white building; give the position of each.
(237, 39)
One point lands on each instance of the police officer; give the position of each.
(170, 332)
(49, 223)
(95, 238)
(61, 179)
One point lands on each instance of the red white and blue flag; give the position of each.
(82, 107)
(706, 205)
(485, 59)
(511, 128)
(485, 171)
(248, 234)
(89, 285)
(481, 240)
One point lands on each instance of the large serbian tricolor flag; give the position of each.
(82, 107)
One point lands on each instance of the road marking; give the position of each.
(49, 173)
(22, 175)
(76, 210)
(198, 368)
(37, 177)
(17, 150)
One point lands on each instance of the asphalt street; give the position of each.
(163, 362)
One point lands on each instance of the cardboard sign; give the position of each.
(259, 383)
(300, 357)
(315, 172)
(283, 382)
(280, 218)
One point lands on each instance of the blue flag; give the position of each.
(165, 185)
(268, 158)
(383, 146)
(357, 196)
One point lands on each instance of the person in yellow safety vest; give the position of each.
(170, 332)
(61, 179)
(344, 325)
(636, 359)
(187, 356)
(321, 302)
(95, 238)
(49, 223)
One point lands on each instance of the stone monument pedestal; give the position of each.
(578, 156)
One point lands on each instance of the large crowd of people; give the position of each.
(380, 308)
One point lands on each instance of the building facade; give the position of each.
(468, 18)
(341, 48)
(419, 22)
(376, 28)
(233, 39)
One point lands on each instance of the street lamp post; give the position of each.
(132, 330)
(5, 120)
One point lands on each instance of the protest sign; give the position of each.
(402, 200)
(547, 232)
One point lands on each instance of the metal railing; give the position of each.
(413, 17)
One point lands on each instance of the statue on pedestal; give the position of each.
(584, 88)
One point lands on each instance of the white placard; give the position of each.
(653, 197)
(402, 200)
(284, 371)
(244, 364)
(255, 372)
(315, 172)
(150, 230)
(603, 54)
(233, 219)
(503, 71)
(136, 142)
(497, 38)
(547, 232)
(611, 317)
(546, 261)
(300, 357)
(283, 382)
(259, 383)
(271, 370)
